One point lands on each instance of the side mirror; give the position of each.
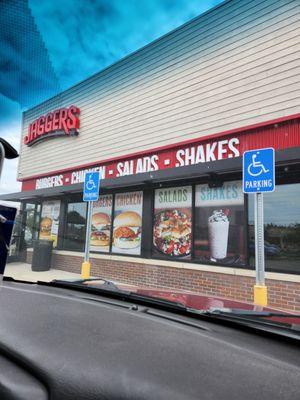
(6, 151)
(10, 152)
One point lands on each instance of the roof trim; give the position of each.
(142, 179)
(169, 175)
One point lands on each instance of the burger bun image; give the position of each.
(128, 218)
(100, 219)
(100, 241)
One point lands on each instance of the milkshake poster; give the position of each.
(219, 224)
(50, 221)
(127, 227)
(101, 224)
(172, 225)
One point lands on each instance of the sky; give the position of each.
(50, 45)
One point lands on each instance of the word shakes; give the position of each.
(208, 152)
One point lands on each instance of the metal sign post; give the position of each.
(259, 239)
(88, 232)
(90, 194)
(259, 177)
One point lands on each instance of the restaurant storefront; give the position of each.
(168, 143)
(158, 227)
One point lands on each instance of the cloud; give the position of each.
(10, 112)
(83, 37)
(9, 183)
(27, 75)
(47, 46)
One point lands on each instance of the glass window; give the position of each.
(220, 224)
(282, 228)
(101, 224)
(172, 227)
(29, 232)
(74, 238)
(16, 236)
(29, 206)
(127, 230)
(31, 220)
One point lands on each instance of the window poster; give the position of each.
(219, 223)
(50, 221)
(172, 227)
(101, 224)
(127, 228)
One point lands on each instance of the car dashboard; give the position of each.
(58, 343)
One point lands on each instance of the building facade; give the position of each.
(167, 127)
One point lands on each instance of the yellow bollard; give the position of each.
(260, 295)
(86, 270)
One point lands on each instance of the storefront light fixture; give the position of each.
(214, 181)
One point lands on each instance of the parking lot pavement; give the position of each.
(22, 271)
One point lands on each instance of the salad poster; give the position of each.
(50, 221)
(219, 223)
(101, 224)
(172, 227)
(127, 227)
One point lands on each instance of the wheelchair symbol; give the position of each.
(90, 185)
(256, 168)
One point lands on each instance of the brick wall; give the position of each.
(281, 294)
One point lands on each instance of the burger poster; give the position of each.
(219, 223)
(127, 230)
(50, 221)
(172, 227)
(101, 224)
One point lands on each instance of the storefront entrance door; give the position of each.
(25, 231)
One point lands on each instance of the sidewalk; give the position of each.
(22, 271)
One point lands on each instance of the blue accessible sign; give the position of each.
(259, 171)
(91, 186)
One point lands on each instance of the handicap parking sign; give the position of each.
(259, 171)
(91, 186)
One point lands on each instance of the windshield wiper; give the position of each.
(249, 313)
(107, 284)
(257, 320)
(109, 287)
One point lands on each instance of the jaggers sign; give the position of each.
(64, 121)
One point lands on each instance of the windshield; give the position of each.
(158, 154)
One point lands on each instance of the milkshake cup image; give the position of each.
(218, 228)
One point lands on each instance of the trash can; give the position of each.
(41, 257)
